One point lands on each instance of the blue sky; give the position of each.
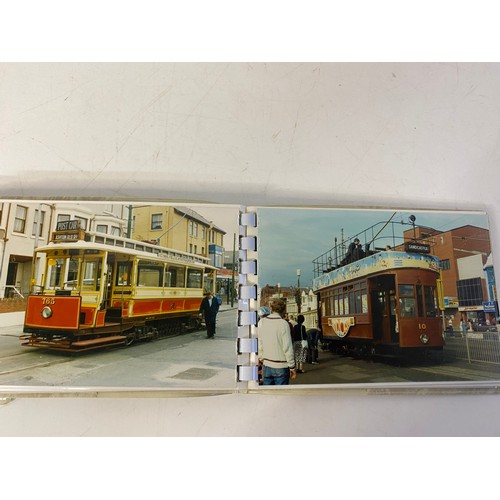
(289, 239)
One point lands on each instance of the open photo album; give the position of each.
(161, 298)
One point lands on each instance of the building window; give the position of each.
(470, 292)
(203, 233)
(156, 221)
(191, 228)
(20, 219)
(38, 222)
(63, 217)
(115, 231)
(195, 230)
(101, 228)
(444, 264)
(83, 222)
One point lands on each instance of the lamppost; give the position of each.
(412, 221)
(298, 298)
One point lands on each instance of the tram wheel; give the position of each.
(130, 338)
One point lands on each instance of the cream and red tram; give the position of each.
(97, 290)
(384, 303)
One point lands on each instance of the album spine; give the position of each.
(247, 366)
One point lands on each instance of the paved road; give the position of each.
(338, 369)
(187, 361)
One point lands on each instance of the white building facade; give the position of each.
(308, 308)
(25, 226)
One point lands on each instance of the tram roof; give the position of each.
(374, 264)
(104, 242)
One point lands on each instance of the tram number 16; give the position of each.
(422, 326)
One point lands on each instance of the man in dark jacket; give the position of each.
(209, 308)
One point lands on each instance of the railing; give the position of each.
(11, 291)
(483, 347)
(373, 239)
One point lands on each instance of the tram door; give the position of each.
(383, 312)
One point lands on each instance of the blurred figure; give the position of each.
(298, 335)
(314, 335)
(275, 347)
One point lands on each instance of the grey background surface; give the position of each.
(392, 135)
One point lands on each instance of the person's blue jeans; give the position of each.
(275, 376)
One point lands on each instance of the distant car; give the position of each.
(483, 328)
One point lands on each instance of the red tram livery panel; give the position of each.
(91, 290)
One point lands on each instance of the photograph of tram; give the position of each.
(93, 280)
(383, 285)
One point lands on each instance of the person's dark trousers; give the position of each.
(210, 329)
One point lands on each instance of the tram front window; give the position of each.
(62, 273)
(407, 301)
(54, 274)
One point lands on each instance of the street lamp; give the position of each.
(298, 297)
(412, 221)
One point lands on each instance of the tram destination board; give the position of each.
(68, 225)
(417, 247)
(68, 230)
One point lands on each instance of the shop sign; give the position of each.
(489, 307)
(450, 302)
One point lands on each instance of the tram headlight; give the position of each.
(46, 312)
(424, 338)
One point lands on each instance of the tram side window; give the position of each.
(361, 301)
(175, 277)
(431, 308)
(123, 273)
(194, 278)
(352, 303)
(407, 301)
(149, 275)
(91, 275)
(331, 304)
(328, 301)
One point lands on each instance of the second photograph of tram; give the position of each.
(384, 303)
(375, 282)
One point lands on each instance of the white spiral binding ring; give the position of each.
(246, 292)
(247, 373)
(248, 219)
(247, 318)
(248, 267)
(247, 345)
(248, 243)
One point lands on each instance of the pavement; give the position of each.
(11, 319)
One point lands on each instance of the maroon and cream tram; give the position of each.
(92, 290)
(384, 303)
